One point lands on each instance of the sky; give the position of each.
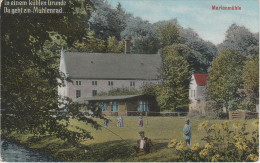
(210, 24)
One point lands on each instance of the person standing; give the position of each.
(187, 132)
(118, 121)
(141, 123)
(106, 121)
(122, 121)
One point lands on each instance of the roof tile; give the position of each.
(112, 66)
(201, 79)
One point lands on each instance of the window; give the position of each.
(114, 106)
(143, 106)
(194, 93)
(132, 84)
(103, 106)
(110, 83)
(94, 82)
(94, 93)
(78, 82)
(78, 93)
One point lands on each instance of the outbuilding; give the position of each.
(127, 105)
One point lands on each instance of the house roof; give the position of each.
(201, 79)
(101, 98)
(112, 66)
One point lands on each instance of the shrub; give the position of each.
(195, 114)
(224, 142)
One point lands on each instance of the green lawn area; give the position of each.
(108, 146)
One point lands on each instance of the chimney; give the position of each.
(127, 46)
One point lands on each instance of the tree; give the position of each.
(107, 21)
(142, 34)
(195, 59)
(241, 39)
(174, 91)
(151, 89)
(114, 46)
(202, 52)
(251, 78)
(169, 34)
(30, 51)
(206, 50)
(89, 43)
(225, 78)
(145, 45)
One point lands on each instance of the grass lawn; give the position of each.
(107, 144)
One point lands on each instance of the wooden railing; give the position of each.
(233, 115)
(150, 113)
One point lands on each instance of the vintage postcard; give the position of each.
(129, 80)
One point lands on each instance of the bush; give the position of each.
(224, 142)
(223, 115)
(120, 92)
(195, 114)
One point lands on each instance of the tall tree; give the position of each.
(241, 39)
(251, 78)
(169, 34)
(225, 78)
(142, 34)
(30, 51)
(207, 50)
(107, 21)
(174, 91)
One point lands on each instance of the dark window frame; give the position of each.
(78, 93)
(94, 92)
(78, 82)
(143, 106)
(110, 83)
(94, 83)
(132, 83)
(114, 105)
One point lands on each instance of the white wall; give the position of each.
(196, 92)
(63, 91)
(86, 86)
(197, 97)
(193, 89)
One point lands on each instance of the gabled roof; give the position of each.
(112, 66)
(201, 79)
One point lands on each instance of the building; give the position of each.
(197, 92)
(128, 105)
(89, 74)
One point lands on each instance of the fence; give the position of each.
(136, 113)
(233, 115)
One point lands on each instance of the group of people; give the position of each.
(120, 122)
(144, 144)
